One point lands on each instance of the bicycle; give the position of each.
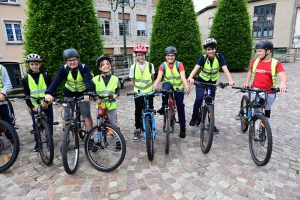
(260, 134)
(169, 116)
(206, 117)
(12, 113)
(104, 145)
(147, 122)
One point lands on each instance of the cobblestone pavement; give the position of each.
(226, 172)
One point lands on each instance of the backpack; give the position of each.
(45, 75)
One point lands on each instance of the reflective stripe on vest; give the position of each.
(210, 72)
(1, 84)
(143, 80)
(75, 85)
(110, 89)
(37, 90)
(173, 76)
(273, 71)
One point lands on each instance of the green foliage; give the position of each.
(55, 25)
(175, 24)
(231, 28)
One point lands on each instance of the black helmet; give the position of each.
(68, 53)
(33, 58)
(210, 42)
(170, 49)
(264, 44)
(101, 58)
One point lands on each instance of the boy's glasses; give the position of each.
(170, 56)
(140, 54)
(72, 61)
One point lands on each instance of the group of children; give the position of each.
(262, 72)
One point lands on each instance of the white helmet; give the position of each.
(33, 58)
(209, 42)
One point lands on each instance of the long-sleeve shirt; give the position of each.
(35, 77)
(7, 86)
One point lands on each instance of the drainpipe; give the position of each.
(293, 23)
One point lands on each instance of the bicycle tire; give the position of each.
(70, 149)
(243, 113)
(46, 147)
(264, 142)
(149, 139)
(11, 112)
(82, 131)
(111, 155)
(207, 128)
(9, 148)
(168, 131)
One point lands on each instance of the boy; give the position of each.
(142, 77)
(209, 65)
(263, 73)
(35, 82)
(174, 79)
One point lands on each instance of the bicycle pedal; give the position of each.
(55, 123)
(16, 126)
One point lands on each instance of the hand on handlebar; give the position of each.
(191, 80)
(282, 87)
(44, 106)
(49, 98)
(231, 83)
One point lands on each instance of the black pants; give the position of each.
(139, 106)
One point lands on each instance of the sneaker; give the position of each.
(216, 131)
(161, 111)
(137, 135)
(182, 132)
(192, 122)
(96, 148)
(36, 148)
(118, 146)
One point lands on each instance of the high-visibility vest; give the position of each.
(273, 71)
(102, 89)
(1, 84)
(173, 77)
(209, 72)
(143, 80)
(75, 85)
(37, 90)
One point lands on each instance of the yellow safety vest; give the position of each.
(110, 89)
(173, 77)
(143, 80)
(75, 85)
(209, 72)
(273, 71)
(37, 90)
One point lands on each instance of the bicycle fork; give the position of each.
(152, 125)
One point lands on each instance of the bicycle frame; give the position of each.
(147, 111)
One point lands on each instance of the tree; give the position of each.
(175, 24)
(231, 28)
(55, 25)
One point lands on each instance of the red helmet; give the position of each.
(140, 48)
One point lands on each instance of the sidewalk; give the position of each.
(226, 172)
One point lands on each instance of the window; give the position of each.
(140, 1)
(210, 22)
(105, 26)
(263, 21)
(8, 1)
(141, 25)
(13, 31)
(104, 19)
(126, 22)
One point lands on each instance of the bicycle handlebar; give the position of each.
(247, 89)
(170, 91)
(222, 85)
(139, 94)
(96, 96)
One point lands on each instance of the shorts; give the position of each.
(85, 109)
(269, 99)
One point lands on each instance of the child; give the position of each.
(107, 84)
(263, 72)
(35, 83)
(209, 65)
(142, 76)
(174, 79)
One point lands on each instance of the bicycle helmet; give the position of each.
(33, 58)
(264, 44)
(68, 53)
(210, 42)
(170, 49)
(140, 49)
(101, 58)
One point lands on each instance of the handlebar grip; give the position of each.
(130, 93)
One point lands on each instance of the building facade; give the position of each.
(274, 20)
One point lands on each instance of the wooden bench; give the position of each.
(122, 74)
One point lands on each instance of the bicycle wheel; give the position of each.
(46, 146)
(105, 149)
(168, 131)
(9, 145)
(149, 139)
(11, 112)
(243, 113)
(260, 141)
(82, 131)
(70, 149)
(206, 128)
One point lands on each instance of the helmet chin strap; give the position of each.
(266, 54)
